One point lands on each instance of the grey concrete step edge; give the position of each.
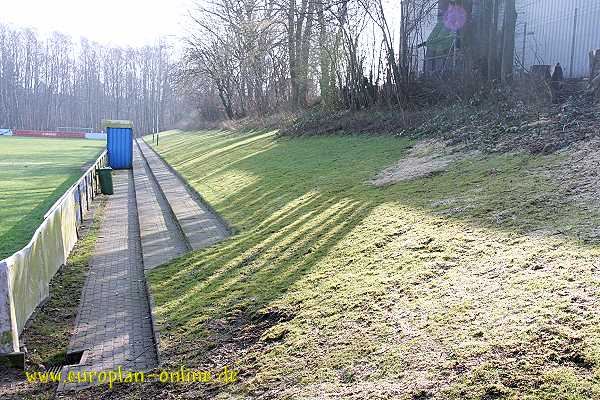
(187, 242)
(151, 177)
(230, 230)
(155, 330)
(149, 296)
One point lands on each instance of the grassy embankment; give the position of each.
(479, 282)
(34, 173)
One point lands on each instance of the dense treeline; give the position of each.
(250, 57)
(258, 56)
(51, 82)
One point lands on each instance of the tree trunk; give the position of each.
(508, 47)
(492, 37)
(324, 81)
(304, 57)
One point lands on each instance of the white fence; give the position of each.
(25, 276)
(95, 135)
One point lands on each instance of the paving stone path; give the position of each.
(152, 218)
(113, 326)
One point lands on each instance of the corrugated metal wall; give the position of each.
(552, 31)
(120, 147)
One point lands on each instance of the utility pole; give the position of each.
(524, 46)
(573, 42)
(508, 47)
(454, 48)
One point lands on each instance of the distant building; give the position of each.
(548, 32)
(442, 45)
(558, 31)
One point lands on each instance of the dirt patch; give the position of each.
(427, 158)
(578, 173)
(496, 122)
(228, 341)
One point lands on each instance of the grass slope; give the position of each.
(34, 173)
(480, 282)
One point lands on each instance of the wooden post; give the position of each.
(87, 194)
(80, 201)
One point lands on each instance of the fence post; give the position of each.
(87, 194)
(92, 184)
(80, 205)
(9, 334)
(96, 180)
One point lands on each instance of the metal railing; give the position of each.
(88, 185)
(25, 276)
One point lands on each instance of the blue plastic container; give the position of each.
(119, 144)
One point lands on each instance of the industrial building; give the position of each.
(547, 32)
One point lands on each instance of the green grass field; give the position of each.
(477, 283)
(34, 173)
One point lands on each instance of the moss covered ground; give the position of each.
(478, 282)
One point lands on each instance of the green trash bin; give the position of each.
(106, 183)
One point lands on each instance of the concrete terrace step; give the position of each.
(200, 226)
(161, 237)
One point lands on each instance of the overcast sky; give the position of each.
(119, 22)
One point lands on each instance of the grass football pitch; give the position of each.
(34, 173)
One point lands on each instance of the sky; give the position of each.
(116, 22)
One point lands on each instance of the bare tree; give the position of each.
(51, 82)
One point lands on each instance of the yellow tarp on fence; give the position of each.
(25, 276)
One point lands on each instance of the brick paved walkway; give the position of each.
(162, 240)
(152, 218)
(113, 325)
(200, 226)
